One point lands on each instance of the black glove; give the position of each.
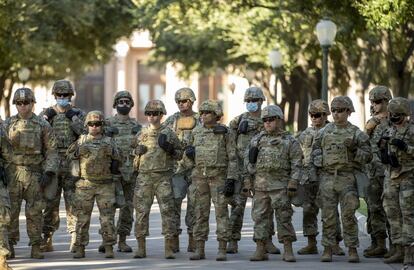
(165, 145)
(46, 179)
(3, 176)
(400, 144)
(140, 150)
(111, 131)
(50, 113)
(394, 160)
(253, 153)
(219, 129)
(243, 127)
(190, 152)
(115, 166)
(229, 187)
(71, 113)
(385, 158)
(135, 130)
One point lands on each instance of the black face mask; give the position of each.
(396, 119)
(124, 110)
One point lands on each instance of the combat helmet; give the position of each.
(399, 105)
(254, 92)
(155, 106)
(94, 116)
(24, 94)
(342, 102)
(380, 92)
(272, 111)
(63, 87)
(122, 94)
(185, 93)
(319, 106)
(213, 106)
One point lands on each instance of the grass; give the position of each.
(363, 207)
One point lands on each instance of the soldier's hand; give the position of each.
(165, 145)
(253, 153)
(292, 188)
(243, 127)
(50, 113)
(135, 130)
(140, 150)
(385, 158)
(229, 187)
(46, 179)
(349, 143)
(71, 113)
(190, 152)
(400, 144)
(115, 167)
(394, 160)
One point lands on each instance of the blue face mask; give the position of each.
(63, 102)
(252, 106)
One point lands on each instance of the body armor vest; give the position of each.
(64, 134)
(273, 155)
(255, 125)
(405, 159)
(306, 140)
(95, 158)
(210, 149)
(335, 153)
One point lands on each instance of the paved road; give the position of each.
(62, 259)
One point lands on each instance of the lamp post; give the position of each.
(121, 49)
(276, 61)
(325, 31)
(23, 74)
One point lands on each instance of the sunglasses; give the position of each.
(316, 115)
(95, 124)
(23, 103)
(379, 101)
(63, 95)
(153, 113)
(395, 115)
(252, 100)
(270, 119)
(339, 110)
(206, 112)
(183, 101)
(126, 102)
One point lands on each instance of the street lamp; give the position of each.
(276, 61)
(326, 31)
(23, 74)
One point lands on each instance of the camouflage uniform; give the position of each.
(398, 154)
(68, 126)
(125, 131)
(155, 169)
(95, 157)
(33, 154)
(338, 152)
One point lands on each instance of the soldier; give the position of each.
(182, 123)
(379, 97)
(397, 152)
(339, 150)
(67, 123)
(212, 153)
(32, 166)
(244, 127)
(123, 129)
(275, 160)
(318, 112)
(157, 151)
(98, 159)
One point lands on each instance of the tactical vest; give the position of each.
(273, 155)
(306, 140)
(64, 135)
(183, 125)
(243, 140)
(334, 152)
(95, 158)
(210, 149)
(405, 159)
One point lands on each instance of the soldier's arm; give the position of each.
(78, 120)
(73, 151)
(232, 167)
(178, 147)
(316, 154)
(363, 154)
(295, 157)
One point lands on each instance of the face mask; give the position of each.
(63, 102)
(124, 110)
(252, 106)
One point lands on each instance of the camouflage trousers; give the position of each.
(278, 201)
(311, 205)
(339, 189)
(51, 219)
(209, 189)
(182, 187)
(377, 220)
(148, 186)
(399, 205)
(126, 212)
(24, 185)
(4, 220)
(85, 195)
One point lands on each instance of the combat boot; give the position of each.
(379, 250)
(353, 255)
(390, 252)
(122, 245)
(36, 253)
(199, 253)
(337, 250)
(311, 248)
(72, 246)
(232, 247)
(409, 255)
(101, 248)
(11, 251)
(221, 255)
(47, 245)
(260, 253)
(270, 247)
(109, 252)
(191, 243)
(176, 243)
(288, 252)
(168, 248)
(327, 254)
(3, 264)
(397, 257)
(371, 247)
(79, 252)
(141, 251)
